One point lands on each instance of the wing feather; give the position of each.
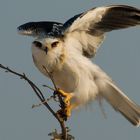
(87, 28)
(90, 27)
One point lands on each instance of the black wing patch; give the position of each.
(68, 23)
(118, 17)
(41, 28)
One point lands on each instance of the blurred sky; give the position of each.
(118, 56)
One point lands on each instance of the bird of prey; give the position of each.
(66, 49)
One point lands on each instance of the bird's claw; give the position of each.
(65, 112)
(67, 96)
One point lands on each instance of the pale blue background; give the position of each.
(119, 57)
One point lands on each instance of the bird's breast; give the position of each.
(66, 78)
(64, 74)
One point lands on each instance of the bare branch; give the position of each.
(51, 77)
(62, 104)
(38, 92)
(49, 87)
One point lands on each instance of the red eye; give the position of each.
(54, 44)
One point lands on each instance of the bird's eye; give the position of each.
(54, 44)
(37, 44)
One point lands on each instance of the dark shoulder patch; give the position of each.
(42, 27)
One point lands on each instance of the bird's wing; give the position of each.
(42, 28)
(89, 28)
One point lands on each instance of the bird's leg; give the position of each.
(67, 96)
(66, 111)
(69, 109)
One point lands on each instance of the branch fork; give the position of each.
(64, 130)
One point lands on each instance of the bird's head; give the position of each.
(48, 51)
(48, 47)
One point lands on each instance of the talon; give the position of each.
(67, 96)
(61, 114)
(66, 113)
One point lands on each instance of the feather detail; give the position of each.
(119, 101)
(118, 17)
(89, 28)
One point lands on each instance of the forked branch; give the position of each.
(64, 131)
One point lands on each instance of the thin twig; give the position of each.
(51, 77)
(62, 104)
(42, 103)
(41, 97)
(49, 87)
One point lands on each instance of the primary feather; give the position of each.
(90, 27)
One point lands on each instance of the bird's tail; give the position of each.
(119, 101)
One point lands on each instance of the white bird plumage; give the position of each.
(66, 56)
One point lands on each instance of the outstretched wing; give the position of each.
(89, 28)
(41, 28)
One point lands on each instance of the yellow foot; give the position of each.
(66, 112)
(67, 96)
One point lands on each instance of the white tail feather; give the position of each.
(119, 101)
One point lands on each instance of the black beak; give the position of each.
(46, 50)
